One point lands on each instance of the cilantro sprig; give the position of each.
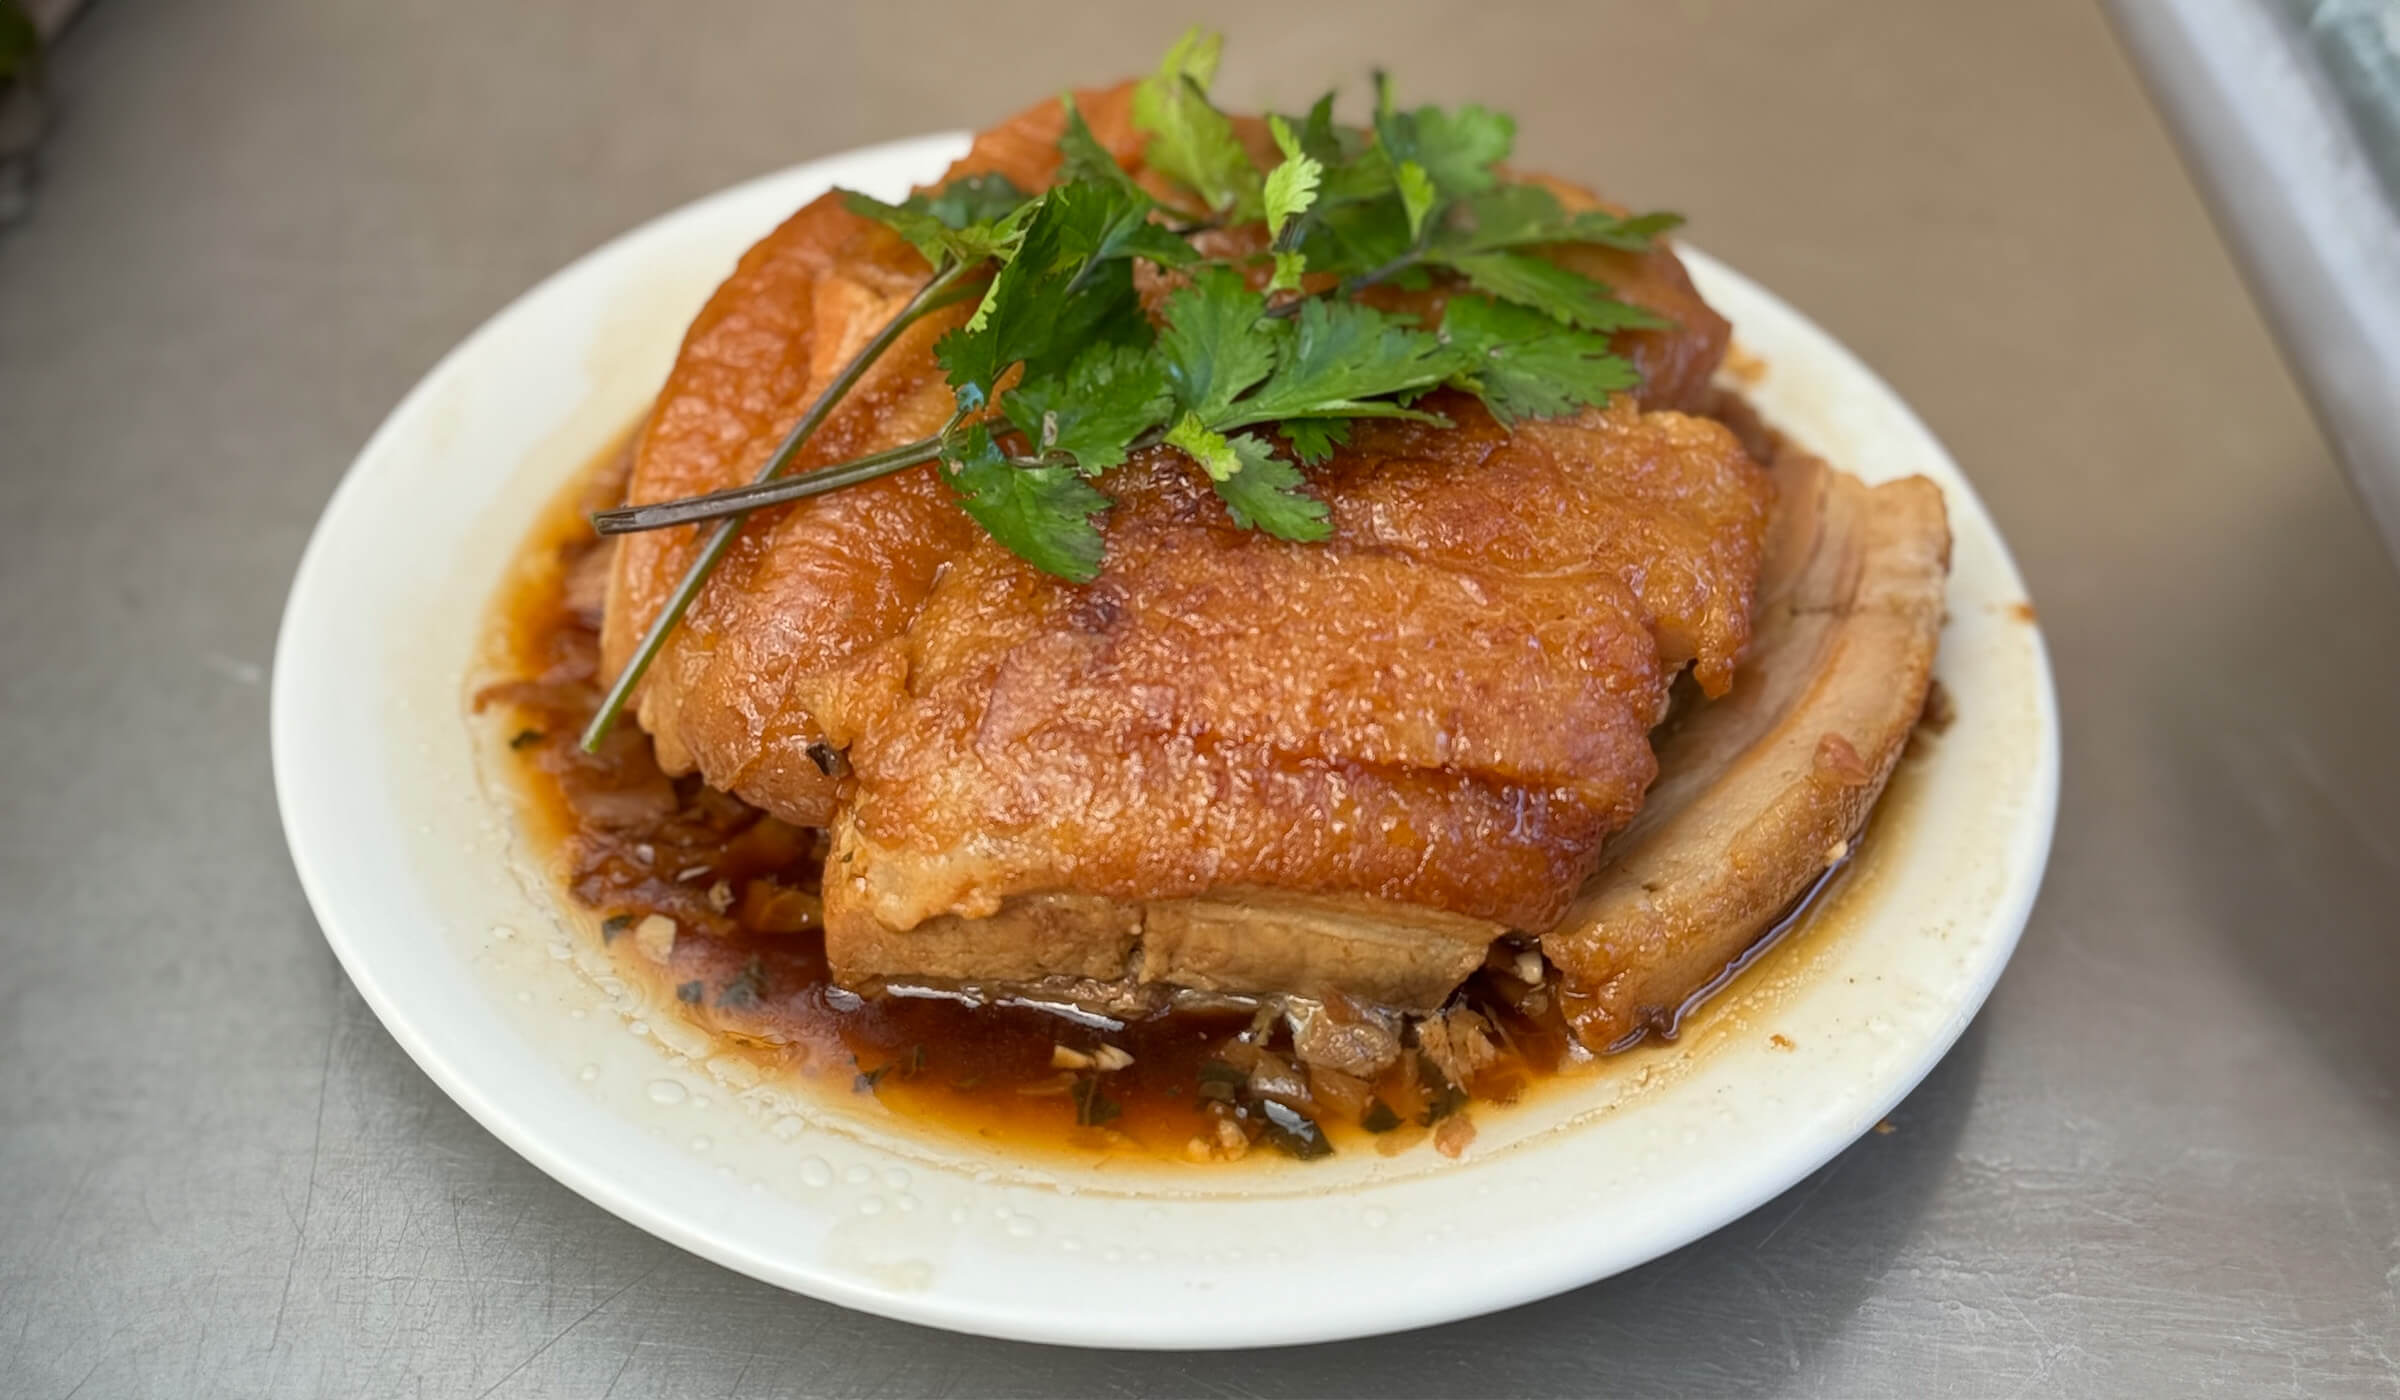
(1255, 367)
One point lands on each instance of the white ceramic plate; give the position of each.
(411, 864)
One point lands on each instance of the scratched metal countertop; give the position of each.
(2163, 1162)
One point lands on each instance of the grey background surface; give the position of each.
(2164, 1161)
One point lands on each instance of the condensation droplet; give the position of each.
(525, 997)
(872, 1205)
(503, 931)
(896, 1178)
(856, 1174)
(1070, 1245)
(1376, 1217)
(958, 1215)
(1023, 1226)
(699, 1100)
(1112, 1255)
(814, 1171)
(1145, 1256)
(638, 1027)
(576, 1014)
(905, 1202)
(588, 1073)
(667, 1091)
(787, 1127)
(560, 952)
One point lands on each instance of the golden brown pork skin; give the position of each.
(1381, 751)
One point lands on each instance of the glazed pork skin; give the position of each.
(811, 584)
(1488, 673)
(1425, 726)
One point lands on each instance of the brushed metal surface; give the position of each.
(2166, 1161)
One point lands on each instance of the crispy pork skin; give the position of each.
(1439, 713)
(1764, 790)
(1230, 763)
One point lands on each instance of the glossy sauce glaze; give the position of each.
(713, 903)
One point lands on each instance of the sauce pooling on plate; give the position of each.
(715, 905)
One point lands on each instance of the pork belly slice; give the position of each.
(1250, 766)
(809, 586)
(1761, 792)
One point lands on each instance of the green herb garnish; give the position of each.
(613, 925)
(1379, 1117)
(1253, 385)
(690, 992)
(525, 738)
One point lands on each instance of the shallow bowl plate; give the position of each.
(410, 859)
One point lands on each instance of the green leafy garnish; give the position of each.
(1059, 375)
(1523, 364)
(1042, 514)
(1379, 1117)
(690, 992)
(1191, 141)
(613, 925)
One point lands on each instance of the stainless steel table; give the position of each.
(2165, 1161)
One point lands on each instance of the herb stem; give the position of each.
(733, 500)
(943, 290)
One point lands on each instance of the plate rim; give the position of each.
(1034, 1322)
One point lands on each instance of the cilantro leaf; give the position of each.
(972, 199)
(1355, 238)
(1269, 494)
(1261, 491)
(1191, 142)
(1457, 150)
(1291, 186)
(1313, 439)
(1343, 359)
(1080, 154)
(1096, 221)
(1212, 341)
(1416, 195)
(1354, 168)
(1514, 215)
(1068, 285)
(1109, 395)
(1560, 292)
(1040, 514)
(1208, 447)
(970, 219)
(1524, 364)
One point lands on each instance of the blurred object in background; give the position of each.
(2288, 113)
(26, 29)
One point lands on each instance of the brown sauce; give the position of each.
(747, 961)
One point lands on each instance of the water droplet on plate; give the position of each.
(1023, 1226)
(588, 1073)
(667, 1091)
(856, 1174)
(872, 1205)
(814, 1171)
